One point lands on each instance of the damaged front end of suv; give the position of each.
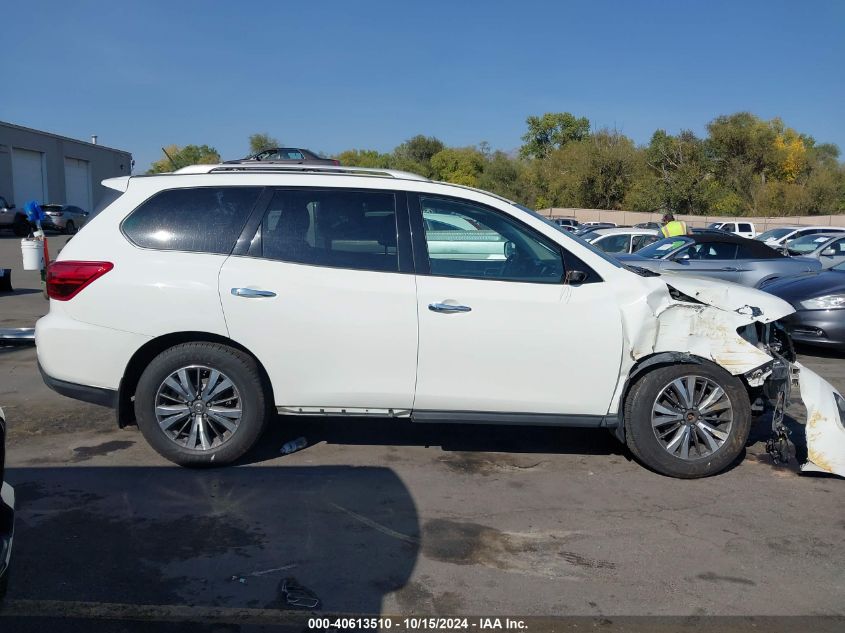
(689, 319)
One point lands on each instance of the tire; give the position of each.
(70, 228)
(211, 443)
(707, 453)
(21, 226)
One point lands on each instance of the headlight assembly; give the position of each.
(828, 302)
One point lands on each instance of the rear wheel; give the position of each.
(687, 421)
(201, 404)
(70, 228)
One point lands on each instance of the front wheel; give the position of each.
(201, 404)
(70, 228)
(687, 420)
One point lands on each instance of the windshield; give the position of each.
(662, 248)
(714, 225)
(608, 258)
(773, 234)
(807, 243)
(589, 236)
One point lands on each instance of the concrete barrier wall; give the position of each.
(635, 217)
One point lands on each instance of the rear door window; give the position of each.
(200, 219)
(744, 227)
(336, 228)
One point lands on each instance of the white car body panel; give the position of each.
(514, 351)
(331, 337)
(338, 340)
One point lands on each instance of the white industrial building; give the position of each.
(49, 168)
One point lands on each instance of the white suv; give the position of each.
(200, 303)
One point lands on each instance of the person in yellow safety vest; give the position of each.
(672, 227)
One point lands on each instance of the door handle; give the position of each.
(730, 269)
(447, 307)
(252, 293)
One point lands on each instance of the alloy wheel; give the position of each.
(198, 407)
(692, 417)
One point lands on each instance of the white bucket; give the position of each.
(32, 252)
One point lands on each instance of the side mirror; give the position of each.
(829, 252)
(510, 249)
(575, 277)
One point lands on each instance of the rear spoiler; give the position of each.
(121, 183)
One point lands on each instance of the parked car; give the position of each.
(64, 217)
(287, 155)
(587, 227)
(13, 218)
(317, 294)
(776, 238)
(828, 248)
(7, 512)
(621, 240)
(743, 229)
(567, 224)
(720, 255)
(819, 302)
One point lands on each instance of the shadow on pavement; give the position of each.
(221, 539)
(469, 438)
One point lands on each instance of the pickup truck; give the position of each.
(13, 218)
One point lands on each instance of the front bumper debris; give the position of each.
(824, 430)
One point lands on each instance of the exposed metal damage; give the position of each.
(692, 318)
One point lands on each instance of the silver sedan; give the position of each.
(828, 248)
(728, 257)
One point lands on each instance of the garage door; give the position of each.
(28, 176)
(77, 183)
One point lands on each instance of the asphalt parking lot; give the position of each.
(395, 518)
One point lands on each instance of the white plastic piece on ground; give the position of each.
(825, 432)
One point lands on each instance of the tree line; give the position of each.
(744, 165)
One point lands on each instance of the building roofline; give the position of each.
(64, 138)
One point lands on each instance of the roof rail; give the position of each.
(263, 167)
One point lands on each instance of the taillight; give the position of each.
(66, 279)
(335, 162)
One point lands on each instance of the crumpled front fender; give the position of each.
(824, 430)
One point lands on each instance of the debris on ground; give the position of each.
(298, 596)
(293, 446)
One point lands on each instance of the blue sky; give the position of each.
(334, 75)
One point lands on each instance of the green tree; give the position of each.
(682, 170)
(552, 131)
(176, 157)
(364, 158)
(414, 155)
(508, 178)
(459, 165)
(260, 141)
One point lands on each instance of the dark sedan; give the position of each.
(721, 255)
(819, 301)
(287, 155)
(7, 512)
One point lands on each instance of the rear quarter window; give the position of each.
(201, 220)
